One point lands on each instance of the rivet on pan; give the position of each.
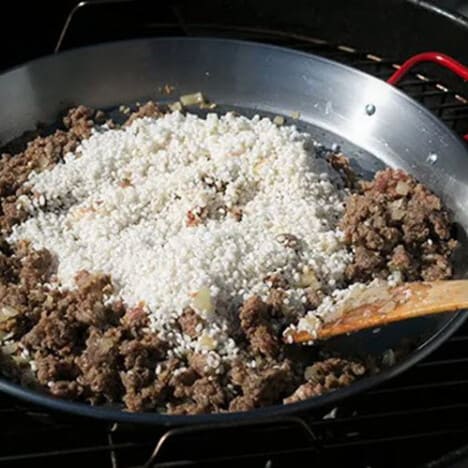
(370, 109)
(432, 158)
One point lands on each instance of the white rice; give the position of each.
(119, 204)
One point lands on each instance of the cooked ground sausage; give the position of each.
(397, 224)
(255, 319)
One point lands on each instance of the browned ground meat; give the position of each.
(198, 363)
(88, 349)
(256, 321)
(264, 385)
(188, 322)
(149, 109)
(40, 153)
(144, 390)
(82, 347)
(397, 224)
(325, 375)
(203, 395)
(341, 164)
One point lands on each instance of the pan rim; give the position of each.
(107, 413)
(240, 42)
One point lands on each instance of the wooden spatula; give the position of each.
(381, 305)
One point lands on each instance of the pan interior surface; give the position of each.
(374, 124)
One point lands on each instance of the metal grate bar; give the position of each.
(443, 362)
(223, 432)
(435, 94)
(367, 61)
(417, 82)
(458, 338)
(67, 452)
(417, 387)
(218, 461)
(405, 437)
(392, 414)
(456, 106)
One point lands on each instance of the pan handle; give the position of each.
(435, 57)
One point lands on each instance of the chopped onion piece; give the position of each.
(309, 278)
(175, 106)
(7, 312)
(278, 120)
(402, 188)
(207, 342)
(257, 168)
(207, 105)
(202, 301)
(191, 99)
(9, 348)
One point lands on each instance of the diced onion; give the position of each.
(175, 106)
(9, 348)
(202, 301)
(207, 105)
(207, 342)
(7, 312)
(309, 278)
(192, 99)
(278, 120)
(402, 188)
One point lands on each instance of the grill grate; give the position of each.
(407, 419)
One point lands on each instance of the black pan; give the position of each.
(374, 124)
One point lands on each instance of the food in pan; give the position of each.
(159, 264)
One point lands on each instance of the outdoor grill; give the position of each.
(419, 419)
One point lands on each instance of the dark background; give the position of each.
(455, 5)
(31, 28)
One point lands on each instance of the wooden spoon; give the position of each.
(381, 305)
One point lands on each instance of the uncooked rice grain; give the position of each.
(166, 236)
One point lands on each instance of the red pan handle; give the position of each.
(436, 57)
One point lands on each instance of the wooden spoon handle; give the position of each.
(399, 303)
